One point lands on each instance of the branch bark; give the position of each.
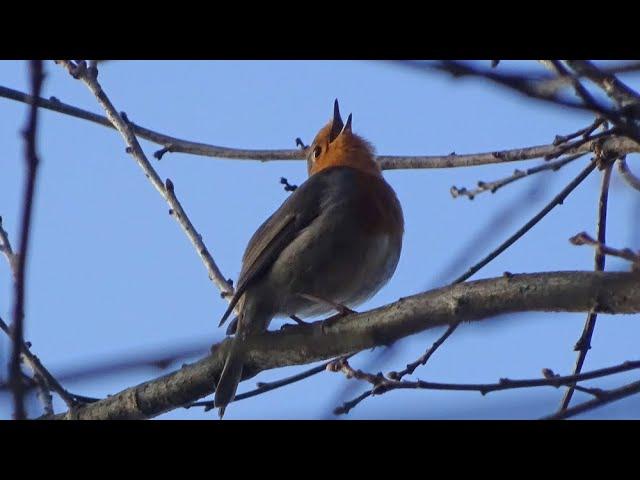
(613, 293)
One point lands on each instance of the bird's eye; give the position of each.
(317, 151)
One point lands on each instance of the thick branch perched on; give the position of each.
(555, 291)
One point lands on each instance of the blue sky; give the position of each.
(112, 276)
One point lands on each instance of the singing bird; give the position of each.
(333, 243)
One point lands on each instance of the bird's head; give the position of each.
(336, 145)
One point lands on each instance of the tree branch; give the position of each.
(618, 91)
(267, 387)
(619, 144)
(89, 76)
(604, 397)
(557, 200)
(584, 342)
(583, 238)
(496, 185)
(49, 382)
(627, 174)
(555, 291)
(535, 88)
(383, 385)
(31, 162)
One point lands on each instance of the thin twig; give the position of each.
(526, 85)
(585, 132)
(580, 90)
(159, 359)
(348, 405)
(557, 200)
(383, 384)
(387, 162)
(593, 140)
(553, 85)
(604, 397)
(617, 90)
(89, 77)
(425, 357)
(583, 238)
(39, 369)
(44, 392)
(627, 174)
(267, 387)
(584, 343)
(496, 185)
(530, 87)
(31, 162)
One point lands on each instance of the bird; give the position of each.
(331, 245)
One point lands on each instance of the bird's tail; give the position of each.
(230, 376)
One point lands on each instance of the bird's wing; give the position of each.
(273, 236)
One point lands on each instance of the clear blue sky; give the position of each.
(111, 275)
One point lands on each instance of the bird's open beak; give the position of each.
(337, 124)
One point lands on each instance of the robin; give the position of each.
(331, 245)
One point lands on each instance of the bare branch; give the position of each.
(618, 91)
(583, 238)
(556, 291)
(585, 132)
(383, 385)
(31, 162)
(533, 88)
(580, 90)
(39, 370)
(347, 406)
(41, 376)
(613, 145)
(425, 357)
(604, 397)
(584, 343)
(387, 162)
(267, 387)
(557, 200)
(89, 77)
(627, 174)
(554, 84)
(159, 359)
(496, 185)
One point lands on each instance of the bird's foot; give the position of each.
(295, 319)
(342, 312)
(340, 308)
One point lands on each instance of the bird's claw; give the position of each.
(343, 311)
